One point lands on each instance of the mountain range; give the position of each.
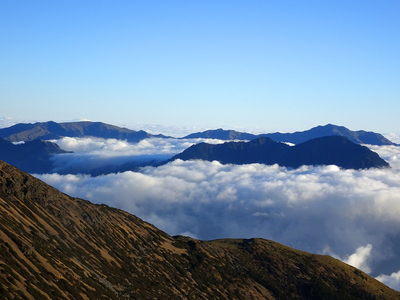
(358, 137)
(53, 246)
(23, 132)
(328, 150)
(34, 155)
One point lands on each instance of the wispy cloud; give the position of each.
(6, 122)
(353, 213)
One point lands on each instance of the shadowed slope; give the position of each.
(331, 150)
(32, 157)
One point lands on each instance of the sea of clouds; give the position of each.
(348, 214)
(93, 153)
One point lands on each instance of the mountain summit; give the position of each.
(53, 246)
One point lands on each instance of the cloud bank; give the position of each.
(359, 259)
(392, 280)
(181, 131)
(91, 153)
(6, 122)
(394, 137)
(349, 214)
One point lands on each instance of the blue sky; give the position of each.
(274, 65)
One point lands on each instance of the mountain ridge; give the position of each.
(329, 150)
(54, 246)
(52, 130)
(39, 159)
(358, 137)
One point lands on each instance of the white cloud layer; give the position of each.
(91, 153)
(352, 213)
(6, 122)
(359, 259)
(113, 147)
(394, 137)
(392, 280)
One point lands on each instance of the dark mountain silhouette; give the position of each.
(31, 157)
(53, 246)
(330, 150)
(222, 134)
(358, 137)
(35, 157)
(52, 130)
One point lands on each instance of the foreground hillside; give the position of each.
(53, 246)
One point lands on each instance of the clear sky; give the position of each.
(277, 65)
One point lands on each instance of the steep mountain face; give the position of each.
(331, 150)
(53, 246)
(358, 137)
(53, 130)
(32, 157)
